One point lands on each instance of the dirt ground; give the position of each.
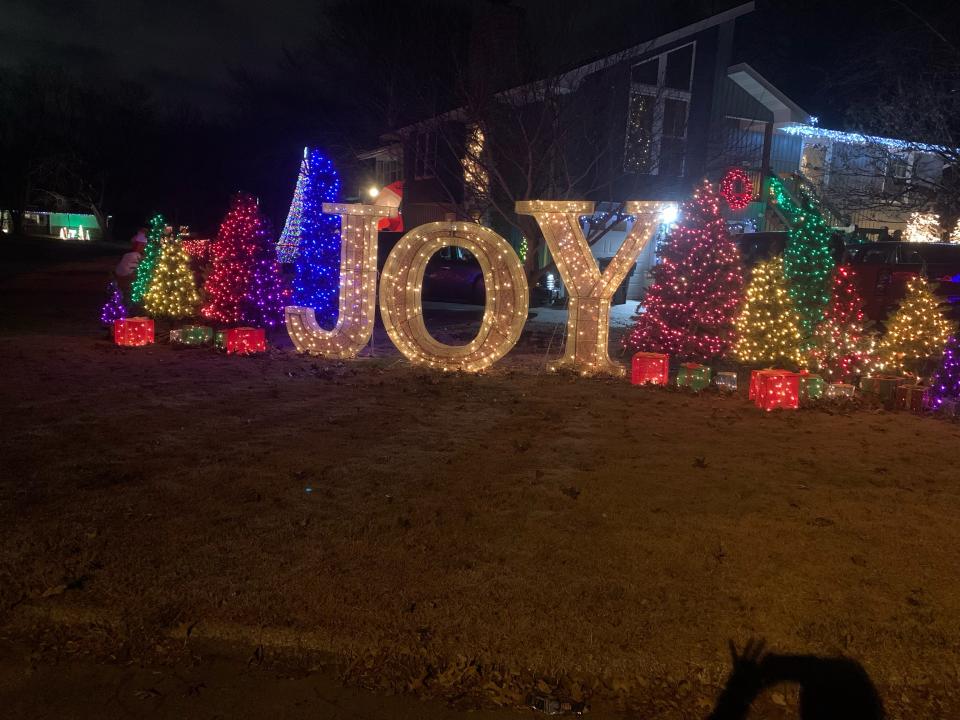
(462, 538)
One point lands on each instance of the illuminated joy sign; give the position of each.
(506, 306)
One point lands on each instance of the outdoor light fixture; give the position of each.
(669, 214)
(373, 191)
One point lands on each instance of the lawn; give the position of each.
(462, 536)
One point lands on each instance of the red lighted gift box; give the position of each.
(647, 367)
(242, 340)
(755, 377)
(133, 331)
(777, 389)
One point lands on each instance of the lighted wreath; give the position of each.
(736, 188)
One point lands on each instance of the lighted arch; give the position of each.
(358, 287)
(401, 304)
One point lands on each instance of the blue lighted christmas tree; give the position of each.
(316, 237)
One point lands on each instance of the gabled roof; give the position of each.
(763, 91)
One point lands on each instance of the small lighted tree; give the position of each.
(698, 285)
(113, 308)
(151, 254)
(946, 380)
(840, 343)
(916, 333)
(922, 227)
(173, 289)
(768, 328)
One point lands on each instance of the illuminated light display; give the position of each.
(690, 309)
(882, 387)
(839, 389)
(172, 291)
(852, 138)
(113, 308)
(197, 248)
(357, 292)
(241, 340)
(736, 188)
(649, 368)
(693, 376)
(841, 346)
(133, 331)
(505, 310)
(192, 335)
(812, 387)
(913, 398)
(244, 285)
(777, 389)
(922, 228)
(316, 248)
(726, 381)
(151, 254)
(768, 330)
(590, 292)
(946, 380)
(916, 333)
(808, 258)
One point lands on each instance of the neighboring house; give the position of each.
(673, 109)
(66, 226)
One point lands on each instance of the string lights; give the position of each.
(244, 285)
(151, 254)
(916, 332)
(736, 188)
(505, 310)
(698, 284)
(173, 290)
(590, 292)
(922, 228)
(768, 329)
(946, 380)
(808, 259)
(357, 292)
(133, 331)
(648, 367)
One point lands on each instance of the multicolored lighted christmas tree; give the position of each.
(151, 254)
(316, 282)
(916, 333)
(244, 286)
(946, 380)
(692, 305)
(807, 259)
(768, 329)
(173, 289)
(840, 343)
(289, 240)
(113, 308)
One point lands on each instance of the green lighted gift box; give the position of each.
(694, 376)
(192, 335)
(812, 387)
(883, 387)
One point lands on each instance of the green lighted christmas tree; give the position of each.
(916, 333)
(173, 289)
(150, 256)
(768, 329)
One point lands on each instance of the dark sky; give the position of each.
(179, 48)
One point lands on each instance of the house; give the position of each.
(658, 117)
(62, 225)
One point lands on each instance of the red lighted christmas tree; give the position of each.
(698, 284)
(245, 286)
(840, 345)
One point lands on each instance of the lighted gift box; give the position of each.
(755, 377)
(883, 387)
(812, 387)
(133, 331)
(949, 407)
(839, 389)
(911, 397)
(777, 389)
(693, 376)
(647, 367)
(241, 340)
(192, 335)
(726, 381)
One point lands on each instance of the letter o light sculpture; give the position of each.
(401, 303)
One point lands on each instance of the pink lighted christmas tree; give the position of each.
(245, 286)
(698, 284)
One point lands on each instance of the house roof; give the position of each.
(573, 77)
(763, 91)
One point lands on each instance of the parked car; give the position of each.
(883, 270)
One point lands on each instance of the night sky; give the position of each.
(184, 49)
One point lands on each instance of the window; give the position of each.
(389, 170)
(660, 92)
(425, 157)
